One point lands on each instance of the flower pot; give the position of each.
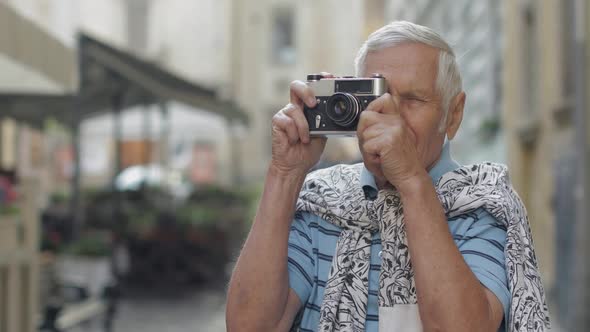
(93, 273)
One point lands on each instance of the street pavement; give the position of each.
(201, 309)
(161, 307)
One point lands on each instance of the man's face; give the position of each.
(410, 70)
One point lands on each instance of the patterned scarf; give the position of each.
(335, 194)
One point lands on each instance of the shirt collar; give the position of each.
(445, 164)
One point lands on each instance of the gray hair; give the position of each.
(448, 78)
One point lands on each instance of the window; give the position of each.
(530, 59)
(283, 36)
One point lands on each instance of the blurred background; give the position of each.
(135, 134)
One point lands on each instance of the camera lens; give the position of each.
(342, 108)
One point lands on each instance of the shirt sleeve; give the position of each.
(482, 246)
(301, 262)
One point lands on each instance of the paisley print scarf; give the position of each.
(335, 194)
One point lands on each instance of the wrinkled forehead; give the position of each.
(409, 66)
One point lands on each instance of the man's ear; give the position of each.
(455, 115)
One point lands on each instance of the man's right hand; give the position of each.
(260, 297)
(294, 152)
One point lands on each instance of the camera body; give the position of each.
(340, 101)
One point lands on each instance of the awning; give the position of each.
(106, 73)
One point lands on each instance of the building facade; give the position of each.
(545, 114)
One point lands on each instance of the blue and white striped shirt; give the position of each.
(312, 243)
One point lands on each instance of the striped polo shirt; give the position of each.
(312, 244)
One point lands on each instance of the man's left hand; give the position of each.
(388, 141)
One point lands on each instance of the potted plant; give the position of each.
(86, 261)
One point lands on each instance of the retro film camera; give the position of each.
(340, 101)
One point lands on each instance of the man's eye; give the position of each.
(415, 99)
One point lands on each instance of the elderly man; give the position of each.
(332, 252)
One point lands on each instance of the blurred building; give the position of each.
(277, 41)
(192, 40)
(533, 95)
(474, 30)
(33, 62)
(64, 18)
(47, 151)
(170, 34)
(545, 119)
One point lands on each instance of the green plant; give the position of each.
(199, 215)
(59, 197)
(140, 220)
(215, 196)
(93, 244)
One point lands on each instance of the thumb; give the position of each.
(386, 104)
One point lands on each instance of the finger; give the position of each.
(373, 131)
(386, 104)
(377, 104)
(370, 150)
(326, 74)
(297, 115)
(287, 125)
(372, 147)
(301, 93)
(367, 119)
(372, 158)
